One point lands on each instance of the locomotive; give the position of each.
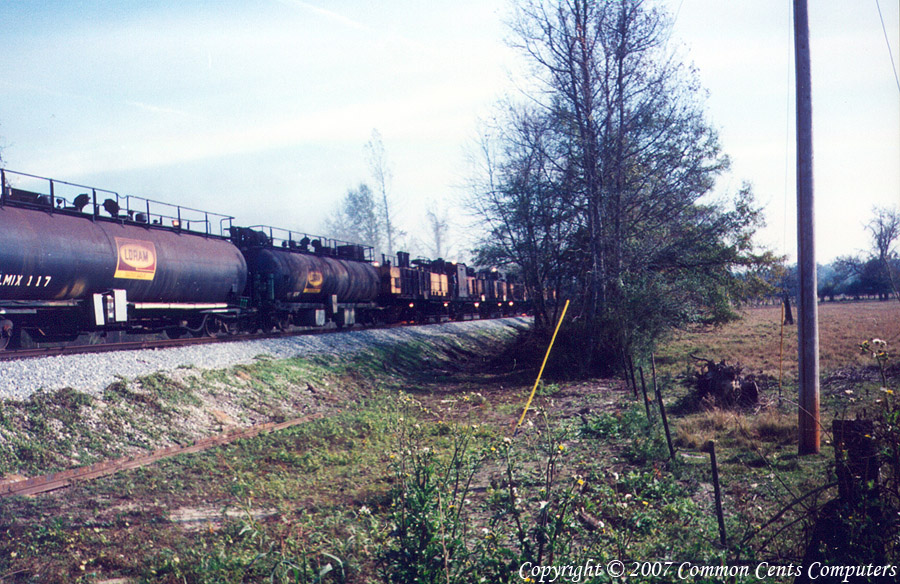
(78, 259)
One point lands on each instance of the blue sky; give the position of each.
(261, 108)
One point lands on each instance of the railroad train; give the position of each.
(78, 260)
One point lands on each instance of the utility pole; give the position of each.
(808, 329)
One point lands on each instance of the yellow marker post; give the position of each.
(541, 372)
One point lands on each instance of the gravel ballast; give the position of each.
(91, 373)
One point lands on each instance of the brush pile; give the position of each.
(725, 386)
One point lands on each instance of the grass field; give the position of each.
(416, 475)
(756, 340)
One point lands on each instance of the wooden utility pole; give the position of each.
(808, 329)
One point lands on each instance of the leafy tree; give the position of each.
(599, 186)
(356, 218)
(829, 281)
(521, 195)
(879, 273)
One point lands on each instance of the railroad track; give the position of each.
(66, 478)
(31, 353)
(13, 355)
(63, 479)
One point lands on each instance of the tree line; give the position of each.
(872, 274)
(367, 213)
(597, 184)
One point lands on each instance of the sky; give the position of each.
(261, 109)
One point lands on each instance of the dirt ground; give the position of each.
(325, 489)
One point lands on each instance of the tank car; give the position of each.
(100, 261)
(298, 279)
(80, 259)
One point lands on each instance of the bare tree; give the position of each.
(381, 175)
(885, 231)
(523, 193)
(439, 225)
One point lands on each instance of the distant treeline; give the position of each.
(873, 275)
(845, 278)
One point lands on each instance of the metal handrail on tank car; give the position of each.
(8, 188)
(294, 240)
(179, 220)
(136, 210)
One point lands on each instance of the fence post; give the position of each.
(662, 408)
(710, 447)
(630, 365)
(644, 390)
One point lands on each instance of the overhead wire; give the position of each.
(787, 126)
(787, 168)
(888, 42)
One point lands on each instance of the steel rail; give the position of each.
(31, 353)
(62, 479)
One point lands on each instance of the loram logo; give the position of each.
(314, 281)
(137, 259)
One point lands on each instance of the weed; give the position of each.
(616, 424)
(409, 481)
(547, 389)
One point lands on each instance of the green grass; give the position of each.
(412, 464)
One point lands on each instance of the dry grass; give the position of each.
(742, 430)
(768, 436)
(775, 426)
(756, 340)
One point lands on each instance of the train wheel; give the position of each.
(6, 333)
(284, 322)
(215, 326)
(175, 332)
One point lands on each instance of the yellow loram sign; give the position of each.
(314, 282)
(136, 259)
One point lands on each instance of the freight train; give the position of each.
(78, 260)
